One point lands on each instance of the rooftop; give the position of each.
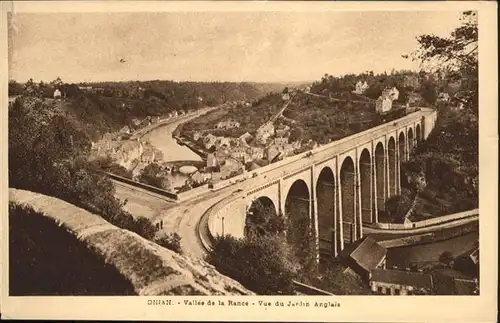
(406, 278)
(366, 252)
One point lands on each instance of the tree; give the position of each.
(449, 156)
(296, 134)
(15, 88)
(170, 241)
(456, 55)
(262, 220)
(262, 264)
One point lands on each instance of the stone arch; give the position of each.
(259, 205)
(297, 212)
(418, 133)
(348, 191)
(325, 197)
(380, 175)
(402, 147)
(391, 178)
(410, 139)
(365, 175)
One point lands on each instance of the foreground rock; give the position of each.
(150, 268)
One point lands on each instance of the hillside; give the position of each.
(321, 119)
(250, 117)
(108, 106)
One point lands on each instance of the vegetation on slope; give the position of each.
(323, 121)
(47, 260)
(108, 106)
(47, 154)
(267, 262)
(250, 117)
(448, 159)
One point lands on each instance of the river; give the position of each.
(162, 139)
(430, 252)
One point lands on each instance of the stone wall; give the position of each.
(150, 268)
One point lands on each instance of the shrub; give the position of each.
(262, 264)
(170, 241)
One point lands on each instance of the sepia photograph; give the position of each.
(243, 153)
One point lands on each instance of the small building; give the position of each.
(399, 282)
(271, 152)
(363, 256)
(211, 161)
(125, 130)
(209, 141)
(280, 141)
(239, 153)
(468, 262)
(391, 93)
(285, 96)
(222, 143)
(361, 87)
(229, 124)
(245, 137)
(57, 94)
(264, 132)
(282, 130)
(383, 104)
(256, 152)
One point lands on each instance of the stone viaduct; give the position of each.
(336, 187)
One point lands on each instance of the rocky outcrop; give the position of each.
(150, 268)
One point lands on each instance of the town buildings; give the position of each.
(229, 124)
(383, 104)
(399, 282)
(264, 132)
(128, 152)
(391, 92)
(209, 141)
(282, 130)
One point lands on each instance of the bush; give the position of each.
(397, 206)
(262, 264)
(170, 241)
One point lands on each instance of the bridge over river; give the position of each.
(337, 187)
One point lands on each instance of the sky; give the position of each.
(215, 46)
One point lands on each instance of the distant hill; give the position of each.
(108, 106)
